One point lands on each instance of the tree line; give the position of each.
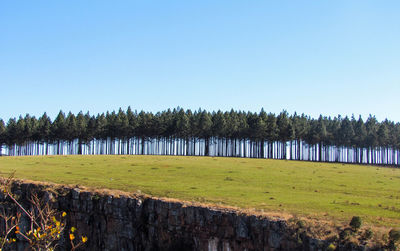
(185, 132)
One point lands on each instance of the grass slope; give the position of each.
(321, 190)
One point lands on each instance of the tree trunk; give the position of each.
(142, 143)
(79, 147)
(283, 150)
(58, 147)
(207, 146)
(320, 151)
(271, 150)
(187, 146)
(127, 146)
(226, 147)
(262, 148)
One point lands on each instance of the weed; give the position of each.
(331, 247)
(394, 235)
(368, 233)
(355, 223)
(301, 224)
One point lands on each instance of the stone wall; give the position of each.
(127, 222)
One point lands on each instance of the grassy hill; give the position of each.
(317, 190)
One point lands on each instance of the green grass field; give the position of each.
(327, 191)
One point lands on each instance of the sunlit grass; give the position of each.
(322, 190)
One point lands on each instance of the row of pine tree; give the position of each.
(204, 133)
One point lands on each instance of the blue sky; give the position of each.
(313, 57)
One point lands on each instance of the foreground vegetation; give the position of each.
(315, 190)
(42, 228)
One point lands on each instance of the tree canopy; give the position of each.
(265, 134)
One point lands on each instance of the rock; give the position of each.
(75, 193)
(126, 223)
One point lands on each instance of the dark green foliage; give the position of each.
(368, 234)
(346, 132)
(394, 235)
(355, 223)
(301, 224)
(59, 127)
(2, 132)
(268, 135)
(12, 132)
(44, 128)
(345, 234)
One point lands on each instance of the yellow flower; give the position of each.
(84, 239)
(64, 214)
(71, 237)
(73, 229)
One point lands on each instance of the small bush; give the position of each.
(345, 234)
(392, 246)
(394, 235)
(301, 224)
(368, 234)
(46, 224)
(356, 223)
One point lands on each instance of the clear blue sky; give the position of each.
(313, 57)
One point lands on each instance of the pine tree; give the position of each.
(11, 134)
(272, 133)
(2, 135)
(372, 137)
(58, 130)
(360, 137)
(284, 134)
(205, 126)
(234, 133)
(321, 135)
(81, 130)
